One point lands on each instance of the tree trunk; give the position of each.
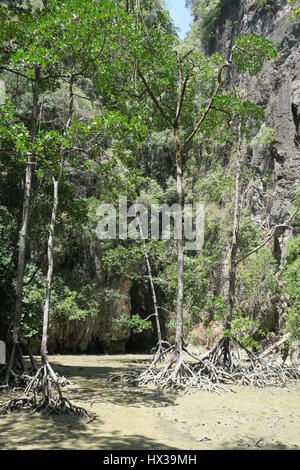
(154, 298)
(44, 352)
(21, 264)
(180, 253)
(234, 244)
(23, 231)
(274, 346)
(56, 182)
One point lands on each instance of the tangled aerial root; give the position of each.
(16, 374)
(162, 348)
(220, 369)
(43, 394)
(10, 378)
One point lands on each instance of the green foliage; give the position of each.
(55, 36)
(171, 329)
(67, 302)
(249, 236)
(133, 323)
(210, 11)
(8, 231)
(295, 15)
(244, 329)
(215, 187)
(118, 143)
(265, 138)
(123, 260)
(293, 249)
(292, 286)
(261, 3)
(251, 51)
(151, 193)
(220, 307)
(256, 285)
(202, 302)
(231, 110)
(14, 136)
(257, 274)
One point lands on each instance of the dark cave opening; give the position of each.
(142, 305)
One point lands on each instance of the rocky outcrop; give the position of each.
(96, 333)
(277, 89)
(276, 167)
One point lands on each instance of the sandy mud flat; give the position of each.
(132, 418)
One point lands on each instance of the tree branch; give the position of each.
(154, 99)
(209, 106)
(274, 346)
(16, 72)
(181, 98)
(285, 225)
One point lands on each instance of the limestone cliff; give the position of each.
(277, 89)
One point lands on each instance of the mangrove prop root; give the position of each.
(20, 379)
(14, 377)
(16, 373)
(43, 394)
(160, 350)
(217, 371)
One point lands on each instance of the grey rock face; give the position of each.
(278, 90)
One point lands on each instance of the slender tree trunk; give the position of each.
(154, 298)
(44, 352)
(21, 266)
(56, 182)
(234, 243)
(23, 231)
(35, 117)
(180, 253)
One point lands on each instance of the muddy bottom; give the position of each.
(135, 418)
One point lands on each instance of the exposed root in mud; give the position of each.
(218, 370)
(15, 373)
(43, 394)
(14, 377)
(160, 350)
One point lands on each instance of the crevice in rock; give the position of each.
(296, 119)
